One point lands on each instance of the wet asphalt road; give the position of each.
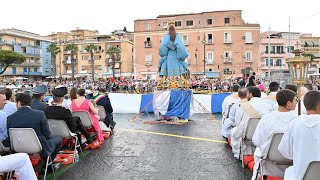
(141, 155)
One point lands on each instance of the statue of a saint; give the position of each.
(172, 56)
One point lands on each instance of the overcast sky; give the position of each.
(46, 16)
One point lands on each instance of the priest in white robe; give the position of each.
(271, 98)
(254, 108)
(229, 123)
(276, 122)
(229, 100)
(301, 141)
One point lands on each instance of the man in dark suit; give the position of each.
(37, 97)
(102, 99)
(26, 117)
(56, 111)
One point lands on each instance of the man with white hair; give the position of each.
(254, 108)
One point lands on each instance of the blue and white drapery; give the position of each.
(135, 103)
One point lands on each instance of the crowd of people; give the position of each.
(21, 110)
(251, 119)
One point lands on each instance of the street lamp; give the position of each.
(298, 67)
(204, 56)
(196, 56)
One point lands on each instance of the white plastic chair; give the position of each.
(85, 118)
(247, 140)
(26, 140)
(102, 113)
(313, 171)
(60, 128)
(274, 157)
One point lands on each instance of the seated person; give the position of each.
(37, 98)
(82, 104)
(20, 164)
(102, 99)
(58, 112)
(254, 108)
(3, 121)
(276, 122)
(10, 107)
(271, 98)
(26, 117)
(231, 99)
(229, 123)
(301, 140)
(66, 101)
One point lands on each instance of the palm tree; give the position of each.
(114, 53)
(54, 50)
(73, 50)
(92, 49)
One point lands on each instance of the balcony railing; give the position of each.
(227, 41)
(33, 73)
(210, 41)
(69, 62)
(227, 60)
(31, 55)
(148, 44)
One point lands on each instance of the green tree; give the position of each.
(8, 58)
(92, 49)
(73, 50)
(114, 53)
(54, 50)
(312, 56)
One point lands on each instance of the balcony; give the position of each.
(31, 55)
(273, 54)
(30, 64)
(210, 41)
(32, 73)
(148, 44)
(227, 60)
(273, 41)
(66, 52)
(185, 42)
(69, 62)
(227, 41)
(275, 67)
(249, 59)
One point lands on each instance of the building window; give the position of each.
(185, 39)
(267, 49)
(248, 56)
(177, 23)
(280, 50)
(291, 49)
(99, 57)
(83, 68)
(25, 69)
(227, 37)
(267, 62)
(147, 26)
(248, 38)
(190, 23)
(14, 70)
(226, 20)
(164, 25)
(148, 43)
(209, 21)
(99, 67)
(210, 38)
(35, 69)
(210, 57)
(279, 62)
(82, 58)
(148, 59)
(227, 56)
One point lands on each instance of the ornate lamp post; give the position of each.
(298, 67)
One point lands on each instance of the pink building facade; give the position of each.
(275, 58)
(220, 44)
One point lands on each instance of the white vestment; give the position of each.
(272, 101)
(20, 164)
(230, 121)
(301, 143)
(303, 108)
(241, 121)
(270, 124)
(231, 99)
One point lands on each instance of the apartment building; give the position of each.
(310, 44)
(220, 44)
(102, 61)
(38, 61)
(274, 50)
